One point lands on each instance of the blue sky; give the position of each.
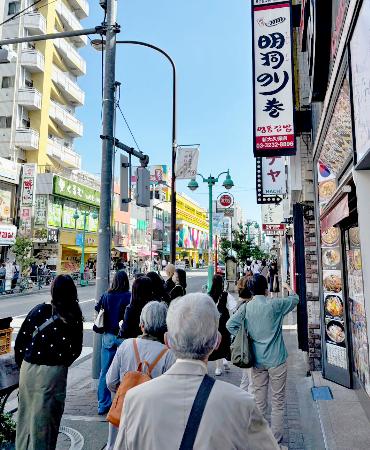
(210, 41)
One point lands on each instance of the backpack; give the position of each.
(130, 380)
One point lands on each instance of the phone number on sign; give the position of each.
(274, 145)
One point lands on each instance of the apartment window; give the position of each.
(13, 8)
(7, 82)
(26, 123)
(28, 83)
(5, 121)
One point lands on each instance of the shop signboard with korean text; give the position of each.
(273, 175)
(41, 208)
(53, 235)
(274, 132)
(27, 201)
(8, 234)
(76, 191)
(273, 230)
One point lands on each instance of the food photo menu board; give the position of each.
(335, 334)
(360, 345)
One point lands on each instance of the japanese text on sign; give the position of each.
(273, 79)
(273, 175)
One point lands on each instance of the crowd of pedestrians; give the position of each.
(156, 343)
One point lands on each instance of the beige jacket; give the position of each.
(155, 414)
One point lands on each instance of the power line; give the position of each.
(19, 13)
(128, 126)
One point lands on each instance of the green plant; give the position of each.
(7, 428)
(22, 251)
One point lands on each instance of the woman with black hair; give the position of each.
(48, 342)
(159, 292)
(219, 296)
(179, 278)
(114, 304)
(142, 293)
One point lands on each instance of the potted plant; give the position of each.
(7, 431)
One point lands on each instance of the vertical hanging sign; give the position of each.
(273, 85)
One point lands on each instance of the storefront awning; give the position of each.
(122, 249)
(339, 212)
(78, 249)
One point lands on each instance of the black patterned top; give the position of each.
(58, 344)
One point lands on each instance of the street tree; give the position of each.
(22, 250)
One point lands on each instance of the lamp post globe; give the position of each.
(193, 185)
(228, 183)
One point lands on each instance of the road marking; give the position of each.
(87, 301)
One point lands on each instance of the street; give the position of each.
(18, 306)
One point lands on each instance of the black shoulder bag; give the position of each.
(196, 413)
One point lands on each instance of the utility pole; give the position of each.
(105, 235)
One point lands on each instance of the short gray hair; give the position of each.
(153, 318)
(192, 323)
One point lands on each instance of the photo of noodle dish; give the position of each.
(334, 305)
(335, 331)
(330, 237)
(327, 189)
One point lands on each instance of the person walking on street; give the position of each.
(149, 346)
(222, 354)
(179, 278)
(142, 293)
(273, 277)
(155, 414)
(114, 303)
(15, 275)
(263, 318)
(48, 342)
(169, 284)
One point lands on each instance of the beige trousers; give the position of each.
(277, 378)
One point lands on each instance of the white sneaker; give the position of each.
(226, 365)
(218, 372)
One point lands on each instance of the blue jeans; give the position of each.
(109, 347)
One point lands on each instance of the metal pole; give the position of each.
(46, 37)
(210, 253)
(231, 236)
(82, 263)
(174, 143)
(104, 246)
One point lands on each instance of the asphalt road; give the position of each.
(18, 306)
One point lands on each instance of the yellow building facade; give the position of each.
(39, 91)
(191, 229)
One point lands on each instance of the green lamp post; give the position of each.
(249, 224)
(211, 181)
(76, 216)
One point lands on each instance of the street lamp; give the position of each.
(211, 181)
(99, 44)
(249, 224)
(76, 216)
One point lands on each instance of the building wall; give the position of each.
(60, 15)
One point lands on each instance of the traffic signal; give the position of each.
(143, 187)
(124, 196)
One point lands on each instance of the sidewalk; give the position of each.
(302, 426)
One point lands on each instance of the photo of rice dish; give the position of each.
(335, 331)
(331, 257)
(334, 305)
(354, 236)
(330, 237)
(333, 283)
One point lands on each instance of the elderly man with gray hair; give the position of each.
(153, 325)
(185, 408)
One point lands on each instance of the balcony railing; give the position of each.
(35, 23)
(27, 138)
(33, 60)
(70, 22)
(71, 91)
(80, 7)
(30, 98)
(65, 119)
(72, 59)
(66, 156)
